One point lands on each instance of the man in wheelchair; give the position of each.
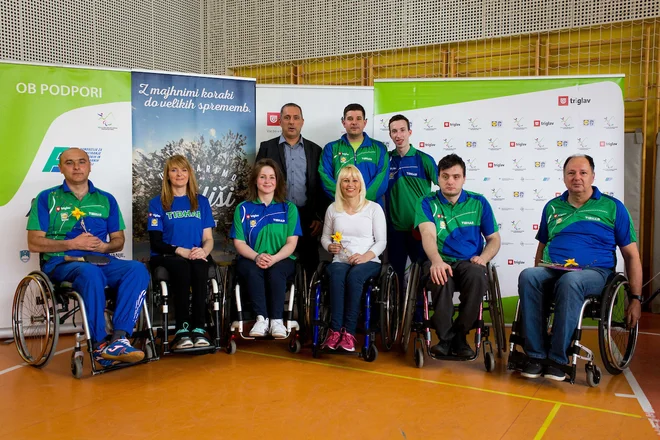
(578, 235)
(69, 225)
(452, 222)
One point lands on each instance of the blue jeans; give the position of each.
(346, 286)
(569, 290)
(129, 278)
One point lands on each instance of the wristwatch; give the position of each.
(639, 298)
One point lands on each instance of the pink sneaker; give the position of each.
(332, 339)
(347, 342)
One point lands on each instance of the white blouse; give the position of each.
(361, 232)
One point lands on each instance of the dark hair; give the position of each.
(291, 104)
(354, 107)
(280, 185)
(449, 161)
(586, 156)
(399, 118)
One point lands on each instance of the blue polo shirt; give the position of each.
(265, 228)
(180, 226)
(588, 234)
(459, 227)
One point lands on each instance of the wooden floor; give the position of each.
(263, 391)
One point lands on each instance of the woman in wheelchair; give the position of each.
(265, 231)
(180, 234)
(355, 232)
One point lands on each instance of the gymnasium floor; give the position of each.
(263, 391)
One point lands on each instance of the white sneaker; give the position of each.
(277, 329)
(260, 328)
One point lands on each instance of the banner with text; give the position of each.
(514, 136)
(44, 111)
(211, 121)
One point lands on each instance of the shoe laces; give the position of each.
(199, 330)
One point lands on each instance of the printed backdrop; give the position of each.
(514, 136)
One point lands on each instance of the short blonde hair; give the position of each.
(350, 171)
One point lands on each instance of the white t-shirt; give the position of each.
(361, 232)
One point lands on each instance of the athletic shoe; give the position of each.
(532, 370)
(104, 363)
(331, 340)
(199, 338)
(260, 328)
(460, 347)
(182, 338)
(347, 342)
(554, 373)
(121, 350)
(442, 348)
(277, 329)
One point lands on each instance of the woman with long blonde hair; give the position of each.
(180, 226)
(355, 232)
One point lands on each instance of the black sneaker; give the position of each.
(532, 370)
(441, 348)
(554, 373)
(460, 347)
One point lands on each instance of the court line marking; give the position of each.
(548, 420)
(24, 364)
(649, 333)
(643, 400)
(627, 396)
(453, 385)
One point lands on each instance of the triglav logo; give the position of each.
(514, 144)
(562, 100)
(495, 165)
(609, 164)
(539, 123)
(538, 195)
(582, 144)
(273, 119)
(517, 165)
(472, 122)
(471, 144)
(447, 145)
(496, 194)
(609, 123)
(539, 164)
(495, 124)
(512, 262)
(472, 164)
(516, 228)
(588, 122)
(565, 123)
(492, 144)
(107, 121)
(565, 100)
(518, 125)
(608, 144)
(427, 125)
(449, 124)
(562, 144)
(539, 144)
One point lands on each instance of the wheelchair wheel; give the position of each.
(226, 289)
(389, 309)
(410, 301)
(77, 365)
(593, 375)
(419, 354)
(299, 303)
(616, 341)
(35, 322)
(318, 327)
(370, 353)
(496, 310)
(489, 361)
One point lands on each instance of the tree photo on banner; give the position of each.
(209, 120)
(514, 135)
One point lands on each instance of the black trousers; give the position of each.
(308, 246)
(186, 276)
(471, 280)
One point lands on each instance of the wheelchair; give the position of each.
(235, 314)
(381, 293)
(616, 342)
(160, 299)
(417, 302)
(40, 307)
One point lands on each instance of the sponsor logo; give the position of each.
(279, 220)
(559, 165)
(519, 194)
(595, 219)
(421, 145)
(107, 121)
(471, 144)
(492, 144)
(253, 223)
(24, 255)
(273, 119)
(608, 193)
(582, 144)
(496, 194)
(505, 179)
(517, 165)
(514, 144)
(53, 163)
(609, 179)
(535, 227)
(449, 124)
(486, 179)
(562, 144)
(427, 125)
(540, 123)
(609, 123)
(539, 145)
(495, 165)
(495, 123)
(527, 243)
(383, 125)
(154, 222)
(609, 164)
(546, 179)
(587, 122)
(472, 166)
(538, 195)
(562, 100)
(472, 123)
(539, 164)
(608, 144)
(557, 195)
(565, 100)
(518, 125)
(446, 145)
(565, 123)
(512, 262)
